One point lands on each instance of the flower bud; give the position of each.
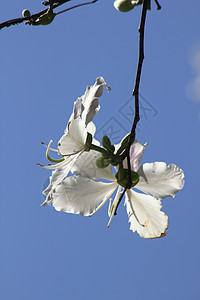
(107, 143)
(45, 3)
(124, 5)
(26, 13)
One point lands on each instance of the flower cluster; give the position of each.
(98, 172)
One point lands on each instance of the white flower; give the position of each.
(84, 193)
(73, 143)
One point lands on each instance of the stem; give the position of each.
(135, 93)
(122, 195)
(158, 5)
(34, 17)
(97, 148)
(75, 6)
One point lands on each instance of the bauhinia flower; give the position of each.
(78, 134)
(85, 192)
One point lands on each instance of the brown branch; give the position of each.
(120, 198)
(32, 18)
(135, 93)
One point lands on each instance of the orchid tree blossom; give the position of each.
(90, 187)
(78, 133)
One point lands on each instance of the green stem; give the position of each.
(98, 149)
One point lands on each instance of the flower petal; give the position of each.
(87, 106)
(145, 215)
(90, 99)
(57, 176)
(160, 180)
(74, 140)
(77, 111)
(136, 152)
(81, 195)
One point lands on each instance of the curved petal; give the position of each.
(160, 180)
(87, 106)
(145, 215)
(136, 152)
(57, 176)
(79, 195)
(77, 111)
(91, 128)
(74, 140)
(86, 167)
(90, 100)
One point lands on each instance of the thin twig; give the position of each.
(75, 6)
(120, 198)
(135, 93)
(32, 18)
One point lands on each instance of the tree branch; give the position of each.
(32, 18)
(135, 93)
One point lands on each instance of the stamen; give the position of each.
(40, 165)
(52, 159)
(110, 207)
(114, 205)
(55, 150)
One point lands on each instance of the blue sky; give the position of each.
(49, 255)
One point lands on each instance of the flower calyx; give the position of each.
(122, 177)
(88, 142)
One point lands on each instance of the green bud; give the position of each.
(106, 142)
(121, 174)
(124, 5)
(26, 13)
(45, 3)
(102, 162)
(112, 148)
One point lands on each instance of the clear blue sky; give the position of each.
(49, 255)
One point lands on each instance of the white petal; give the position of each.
(81, 195)
(145, 215)
(74, 140)
(86, 167)
(77, 110)
(91, 128)
(57, 176)
(90, 100)
(136, 153)
(87, 106)
(160, 180)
